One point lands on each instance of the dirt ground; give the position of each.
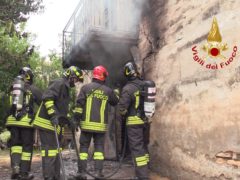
(70, 162)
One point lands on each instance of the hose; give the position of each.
(120, 162)
(60, 153)
(76, 149)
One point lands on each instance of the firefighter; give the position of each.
(24, 95)
(92, 113)
(131, 108)
(53, 111)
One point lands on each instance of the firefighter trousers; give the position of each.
(21, 147)
(146, 137)
(50, 155)
(98, 156)
(137, 147)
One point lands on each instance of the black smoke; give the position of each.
(111, 50)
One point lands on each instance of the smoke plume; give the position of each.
(112, 31)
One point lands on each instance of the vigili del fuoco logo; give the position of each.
(215, 50)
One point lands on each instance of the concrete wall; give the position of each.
(198, 109)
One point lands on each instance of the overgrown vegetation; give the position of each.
(18, 11)
(17, 51)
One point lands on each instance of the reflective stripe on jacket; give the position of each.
(130, 103)
(55, 101)
(33, 97)
(44, 123)
(93, 99)
(23, 122)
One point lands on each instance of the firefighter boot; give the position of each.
(15, 172)
(26, 176)
(81, 175)
(99, 174)
(98, 169)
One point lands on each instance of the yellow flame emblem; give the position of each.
(214, 34)
(214, 45)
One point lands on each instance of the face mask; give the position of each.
(72, 84)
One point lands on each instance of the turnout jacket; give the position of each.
(33, 97)
(92, 106)
(55, 102)
(131, 102)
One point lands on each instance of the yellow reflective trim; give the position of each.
(141, 163)
(76, 72)
(147, 157)
(141, 158)
(10, 99)
(25, 121)
(50, 111)
(27, 76)
(45, 124)
(43, 153)
(93, 126)
(28, 98)
(26, 156)
(49, 104)
(83, 156)
(16, 149)
(89, 106)
(50, 153)
(136, 94)
(60, 150)
(74, 69)
(102, 110)
(134, 120)
(98, 156)
(78, 110)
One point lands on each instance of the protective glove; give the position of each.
(63, 120)
(74, 123)
(54, 120)
(116, 92)
(19, 115)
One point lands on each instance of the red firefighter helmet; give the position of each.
(100, 73)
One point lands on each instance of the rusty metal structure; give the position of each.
(99, 25)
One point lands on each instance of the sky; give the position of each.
(48, 25)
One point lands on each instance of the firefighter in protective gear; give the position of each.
(53, 111)
(131, 109)
(92, 113)
(21, 127)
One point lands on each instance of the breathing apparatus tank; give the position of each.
(149, 98)
(17, 95)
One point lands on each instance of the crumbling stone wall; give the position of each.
(197, 108)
